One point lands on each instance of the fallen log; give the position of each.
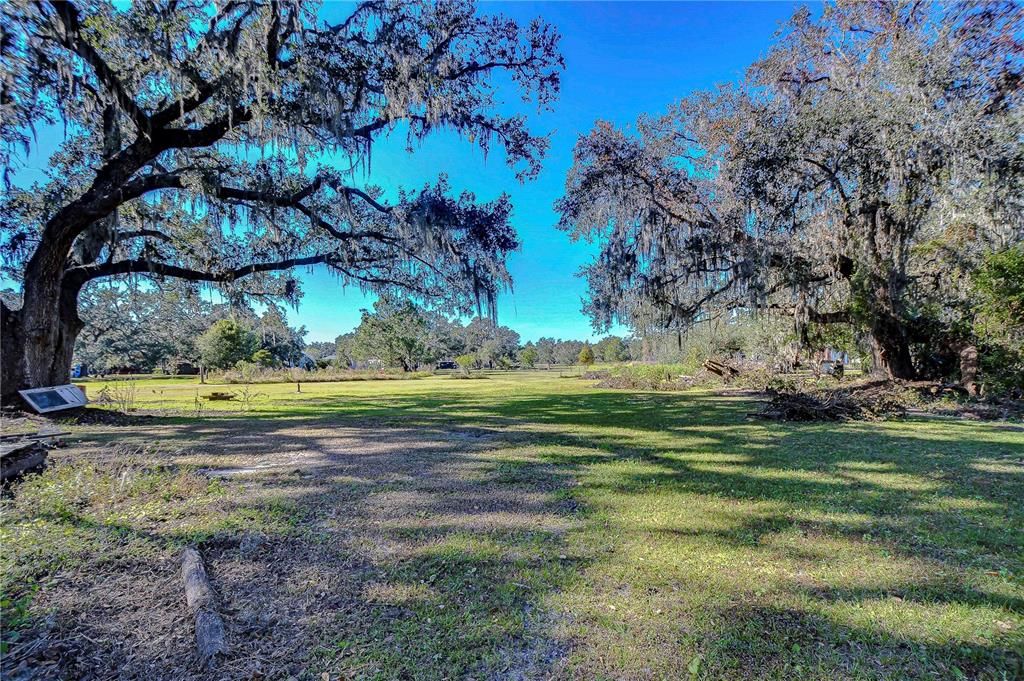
(721, 369)
(201, 602)
(19, 458)
(7, 437)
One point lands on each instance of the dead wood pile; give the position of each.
(219, 396)
(867, 402)
(721, 369)
(19, 458)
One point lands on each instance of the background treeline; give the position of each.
(174, 330)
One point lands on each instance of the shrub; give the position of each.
(264, 358)
(466, 362)
(120, 393)
(652, 377)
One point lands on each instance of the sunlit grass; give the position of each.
(690, 541)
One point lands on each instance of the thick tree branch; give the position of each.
(139, 266)
(141, 234)
(206, 135)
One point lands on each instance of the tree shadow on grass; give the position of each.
(397, 555)
(786, 643)
(433, 588)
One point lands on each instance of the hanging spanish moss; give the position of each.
(223, 143)
(825, 186)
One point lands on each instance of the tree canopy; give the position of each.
(395, 333)
(399, 333)
(226, 343)
(223, 144)
(138, 329)
(810, 187)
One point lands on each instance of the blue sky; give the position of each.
(622, 60)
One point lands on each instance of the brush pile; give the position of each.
(864, 402)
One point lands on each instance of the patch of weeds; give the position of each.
(86, 512)
(273, 516)
(14, 613)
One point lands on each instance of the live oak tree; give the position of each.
(143, 329)
(611, 349)
(399, 333)
(222, 142)
(489, 341)
(814, 186)
(567, 351)
(394, 333)
(226, 343)
(158, 327)
(546, 350)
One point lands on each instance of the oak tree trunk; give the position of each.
(12, 353)
(969, 369)
(891, 348)
(890, 344)
(39, 339)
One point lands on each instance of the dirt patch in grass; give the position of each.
(353, 551)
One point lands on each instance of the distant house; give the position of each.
(185, 369)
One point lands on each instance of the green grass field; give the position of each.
(524, 525)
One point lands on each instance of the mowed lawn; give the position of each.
(525, 525)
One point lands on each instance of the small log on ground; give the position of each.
(18, 458)
(201, 604)
(8, 437)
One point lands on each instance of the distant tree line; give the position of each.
(398, 333)
(170, 329)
